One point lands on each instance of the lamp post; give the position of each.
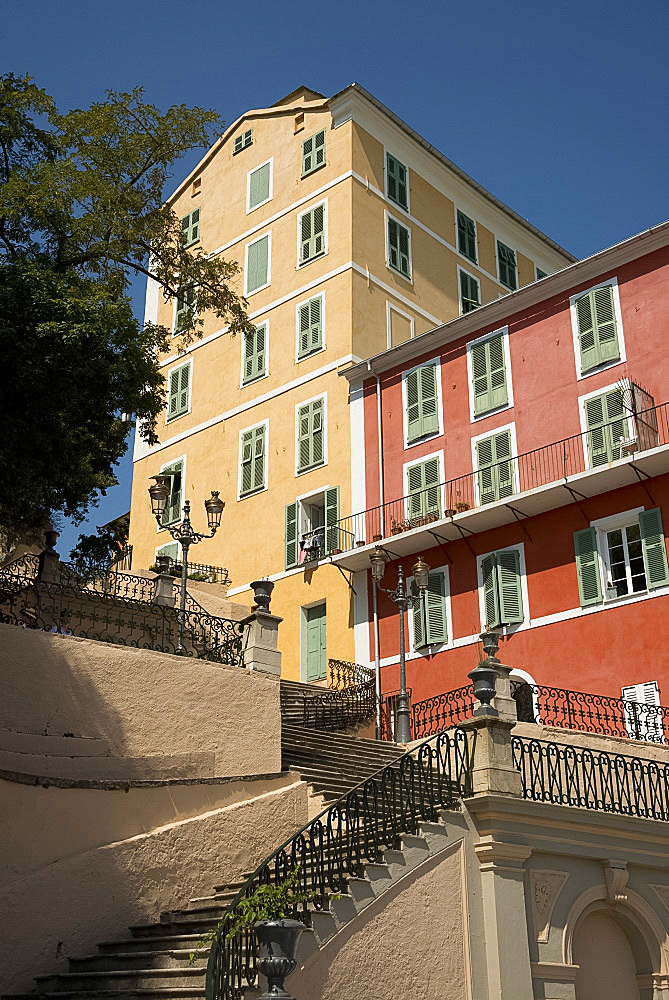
(403, 599)
(184, 533)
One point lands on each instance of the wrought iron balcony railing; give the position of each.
(636, 432)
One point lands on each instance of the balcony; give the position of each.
(625, 451)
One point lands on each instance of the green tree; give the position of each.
(81, 214)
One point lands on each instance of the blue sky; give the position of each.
(559, 110)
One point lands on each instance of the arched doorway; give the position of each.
(523, 693)
(611, 952)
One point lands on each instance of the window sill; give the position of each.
(252, 493)
(303, 263)
(178, 416)
(407, 278)
(314, 170)
(491, 413)
(608, 602)
(423, 439)
(252, 381)
(398, 204)
(193, 244)
(310, 354)
(600, 368)
(310, 468)
(249, 211)
(260, 288)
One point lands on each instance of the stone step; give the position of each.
(127, 960)
(163, 942)
(123, 979)
(196, 924)
(165, 992)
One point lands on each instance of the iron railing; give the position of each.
(592, 779)
(443, 711)
(343, 709)
(517, 474)
(88, 613)
(344, 674)
(339, 841)
(200, 571)
(593, 713)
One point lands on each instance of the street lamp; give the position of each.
(403, 599)
(184, 533)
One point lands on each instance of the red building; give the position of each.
(523, 451)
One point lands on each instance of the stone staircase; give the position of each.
(154, 960)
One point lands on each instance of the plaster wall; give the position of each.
(158, 710)
(80, 865)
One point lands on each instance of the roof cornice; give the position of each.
(498, 312)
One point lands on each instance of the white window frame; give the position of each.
(440, 405)
(268, 236)
(165, 465)
(242, 383)
(461, 255)
(304, 499)
(613, 283)
(507, 290)
(602, 527)
(159, 547)
(391, 307)
(393, 270)
(304, 402)
(463, 270)
(504, 331)
(182, 364)
(623, 384)
(175, 332)
(249, 210)
(527, 621)
(514, 465)
(419, 461)
(303, 302)
(326, 233)
(261, 489)
(435, 647)
(394, 204)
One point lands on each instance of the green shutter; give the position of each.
(597, 329)
(434, 602)
(489, 375)
(509, 587)
(654, 550)
(313, 153)
(179, 392)
(259, 185)
(311, 435)
(316, 642)
(186, 301)
(495, 467)
(467, 236)
(255, 353)
(396, 181)
(190, 227)
(291, 535)
(173, 506)
(312, 233)
(490, 597)
(418, 623)
(424, 495)
(332, 539)
(469, 292)
(253, 460)
(398, 248)
(507, 266)
(607, 424)
(243, 140)
(587, 567)
(414, 418)
(310, 318)
(422, 402)
(257, 264)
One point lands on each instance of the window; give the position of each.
(430, 622)
(607, 425)
(540, 274)
(502, 588)
(259, 186)
(310, 327)
(424, 490)
(596, 327)
(487, 360)
(311, 434)
(252, 465)
(399, 248)
(422, 406)
(171, 550)
(313, 153)
(190, 227)
(174, 501)
(311, 527)
(507, 266)
(494, 463)
(257, 265)
(254, 360)
(311, 234)
(396, 181)
(178, 399)
(621, 556)
(467, 236)
(242, 141)
(469, 293)
(643, 715)
(186, 303)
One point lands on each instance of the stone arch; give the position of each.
(525, 696)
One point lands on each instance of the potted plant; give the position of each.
(461, 505)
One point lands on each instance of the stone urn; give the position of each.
(262, 593)
(277, 944)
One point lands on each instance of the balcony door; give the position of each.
(316, 643)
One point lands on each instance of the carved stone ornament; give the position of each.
(616, 876)
(545, 887)
(662, 893)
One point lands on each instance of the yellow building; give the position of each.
(354, 234)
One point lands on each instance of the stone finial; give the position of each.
(48, 566)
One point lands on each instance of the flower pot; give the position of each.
(377, 538)
(262, 592)
(277, 945)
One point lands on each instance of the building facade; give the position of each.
(525, 455)
(353, 235)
